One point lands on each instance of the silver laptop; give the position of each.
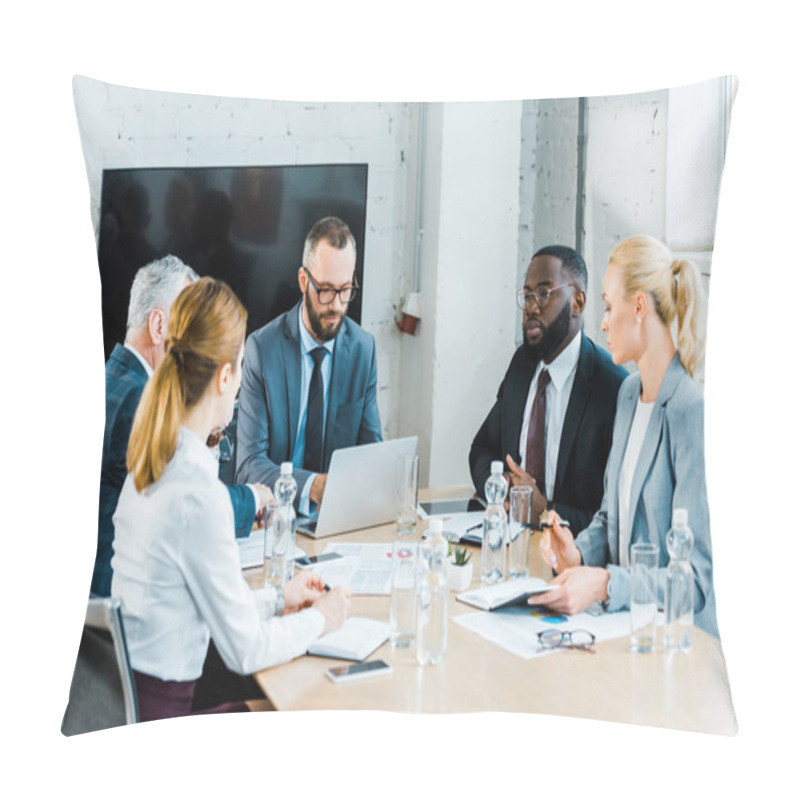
(360, 490)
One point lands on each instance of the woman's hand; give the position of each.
(302, 590)
(333, 605)
(557, 546)
(577, 588)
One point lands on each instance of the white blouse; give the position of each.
(177, 573)
(641, 419)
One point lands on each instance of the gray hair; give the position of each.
(156, 286)
(335, 232)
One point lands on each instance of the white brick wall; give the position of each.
(500, 181)
(125, 127)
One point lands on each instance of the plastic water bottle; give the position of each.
(284, 524)
(680, 584)
(432, 597)
(495, 523)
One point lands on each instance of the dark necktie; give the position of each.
(315, 415)
(535, 446)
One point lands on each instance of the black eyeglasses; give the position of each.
(325, 296)
(553, 638)
(541, 296)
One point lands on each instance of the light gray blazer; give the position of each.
(669, 474)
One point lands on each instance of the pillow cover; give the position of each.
(232, 186)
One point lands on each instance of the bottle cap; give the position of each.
(286, 468)
(680, 516)
(497, 467)
(435, 526)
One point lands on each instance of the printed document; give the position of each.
(366, 568)
(516, 628)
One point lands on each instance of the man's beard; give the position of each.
(323, 334)
(552, 337)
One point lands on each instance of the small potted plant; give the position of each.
(459, 569)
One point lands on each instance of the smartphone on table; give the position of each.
(364, 669)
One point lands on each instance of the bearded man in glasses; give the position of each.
(552, 421)
(310, 376)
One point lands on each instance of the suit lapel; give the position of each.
(652, 436)
(340, 370)
(578, 398)
(626, 408)
(290, 347)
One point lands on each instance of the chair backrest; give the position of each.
(102, 694)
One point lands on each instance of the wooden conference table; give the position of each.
(687, 691)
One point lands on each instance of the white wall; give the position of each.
(468, 269)
(653, 164)
(499, 180)
(123, 127)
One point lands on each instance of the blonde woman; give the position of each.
(657, 461)
(176, 566)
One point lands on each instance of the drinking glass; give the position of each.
(402, 612)
(407, 486)
(519, 520)
(644, 596)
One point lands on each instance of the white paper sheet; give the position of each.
(516, 629)
(366, 568)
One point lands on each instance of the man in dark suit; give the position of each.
(154, 288)
(553, 418)
(310, 376)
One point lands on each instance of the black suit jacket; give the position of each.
(585, 438)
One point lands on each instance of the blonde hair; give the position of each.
(647, 266)
(206, 330)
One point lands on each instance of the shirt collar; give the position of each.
(563, 365)
(147, 367)
(307, 342)
(197, 451)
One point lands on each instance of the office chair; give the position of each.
(102, 694)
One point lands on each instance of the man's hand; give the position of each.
(578, 588)
(518, 477)
(557, 546)
(318, 488)
(333, 605)
(265, 496)
(302, 590)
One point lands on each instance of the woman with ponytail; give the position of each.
(176, 564)
(654, 306)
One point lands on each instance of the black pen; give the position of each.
(564, 523)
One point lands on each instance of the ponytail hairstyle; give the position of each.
(675, 286)
(206, 330)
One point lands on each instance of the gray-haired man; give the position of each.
(154, 289)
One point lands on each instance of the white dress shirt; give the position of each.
(562, 375)
(177, 573)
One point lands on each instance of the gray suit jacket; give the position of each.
(269, 400)
(669, 474)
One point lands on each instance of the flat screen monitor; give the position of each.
(243, 225)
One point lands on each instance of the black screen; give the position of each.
(243, 225)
